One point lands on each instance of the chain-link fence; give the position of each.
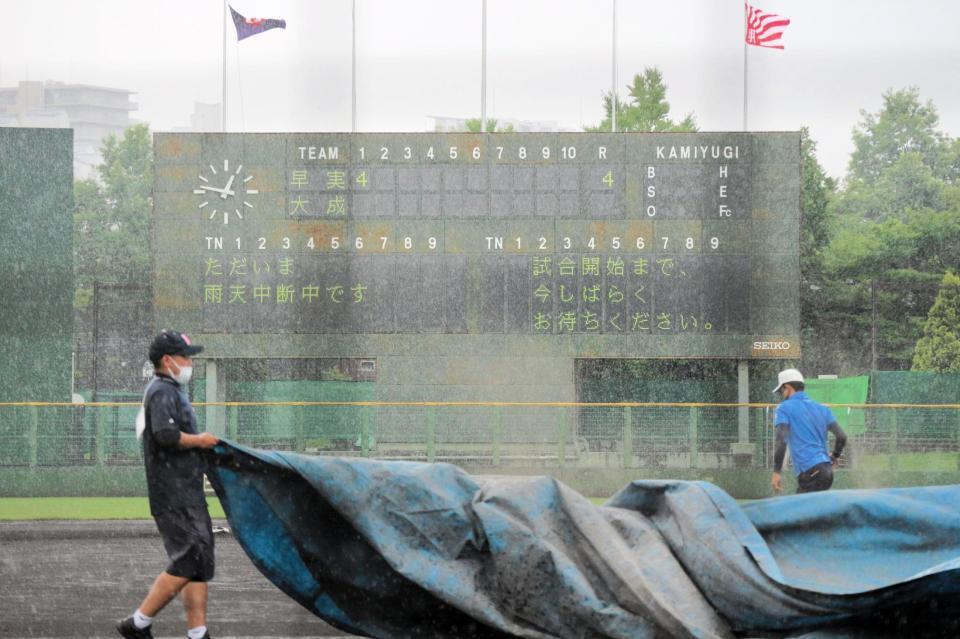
(625, 435)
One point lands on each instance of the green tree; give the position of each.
(894, 230)
(903, 125)
(881, 279)
(111, 229)
(907, 184)
(939, 348)
(473, 126)
(646, 110)
(900, 162)
(816, 189)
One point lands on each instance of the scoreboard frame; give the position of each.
(451, 209)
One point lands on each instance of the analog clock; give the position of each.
(225, 192)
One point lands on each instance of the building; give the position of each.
(206, 118)
(92, 112)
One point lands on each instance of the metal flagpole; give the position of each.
(353, 71)
(743, 366)
(223, 68)
(613, 90)
(483, 72)
(745, 67)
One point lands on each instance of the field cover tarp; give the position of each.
(403, 549)
(845, 390)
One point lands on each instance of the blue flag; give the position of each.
(247, 27)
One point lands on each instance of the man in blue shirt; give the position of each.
(803, 424)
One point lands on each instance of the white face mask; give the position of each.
(183, 375)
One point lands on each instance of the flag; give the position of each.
(764, 29)
(247, 27)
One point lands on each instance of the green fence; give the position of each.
(91, 448)
(909, 387)
(635, 435)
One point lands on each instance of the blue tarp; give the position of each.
(404, 549)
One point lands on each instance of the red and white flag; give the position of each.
(764, 29)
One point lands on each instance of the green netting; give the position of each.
(664, 430)
(74, 435)
(844, 390)
(661, 391)
(908, 387)
(317, 426)
(923, 427)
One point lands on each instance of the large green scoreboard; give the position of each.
(600, 245)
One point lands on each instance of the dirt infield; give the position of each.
(75, 579)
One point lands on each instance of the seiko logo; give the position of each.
(771, 346)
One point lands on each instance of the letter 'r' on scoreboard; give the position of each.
(623, 245)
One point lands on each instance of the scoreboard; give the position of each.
(608, 245)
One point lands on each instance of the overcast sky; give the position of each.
(547, 60)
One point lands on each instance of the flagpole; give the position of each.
(483, 71)
(223, 69)
(744, 67)
(613, 89)
(353, 70)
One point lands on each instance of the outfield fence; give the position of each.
(894, 437)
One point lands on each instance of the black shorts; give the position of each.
(815, 479)
(187, 535)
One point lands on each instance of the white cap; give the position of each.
(789, 375)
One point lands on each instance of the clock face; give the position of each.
(225, 193)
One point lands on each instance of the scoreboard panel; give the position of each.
(668, 245)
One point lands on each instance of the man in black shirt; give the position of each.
(175, 467)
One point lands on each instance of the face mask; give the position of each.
(183, 375)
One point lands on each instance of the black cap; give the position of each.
(172, 343)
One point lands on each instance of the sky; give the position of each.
(547, 60)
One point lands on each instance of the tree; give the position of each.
(127, 175)
(907, 184)
(111, 229)
(900, 162)
(939, 348)
(473, 126)
(894, 230)
(647, 109)
(880, 282)
(816, 189)
(903, 125)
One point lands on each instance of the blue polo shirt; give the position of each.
(808, 421)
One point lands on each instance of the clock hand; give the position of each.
(212, 188)
(226, 190)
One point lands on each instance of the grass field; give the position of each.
(934, 462)
(77, 508)
(33, 508)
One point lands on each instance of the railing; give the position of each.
(895, 437)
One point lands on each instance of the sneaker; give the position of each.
(127, 629)
(206, 635)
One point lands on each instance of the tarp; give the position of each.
(404, 549)
(843, 390)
